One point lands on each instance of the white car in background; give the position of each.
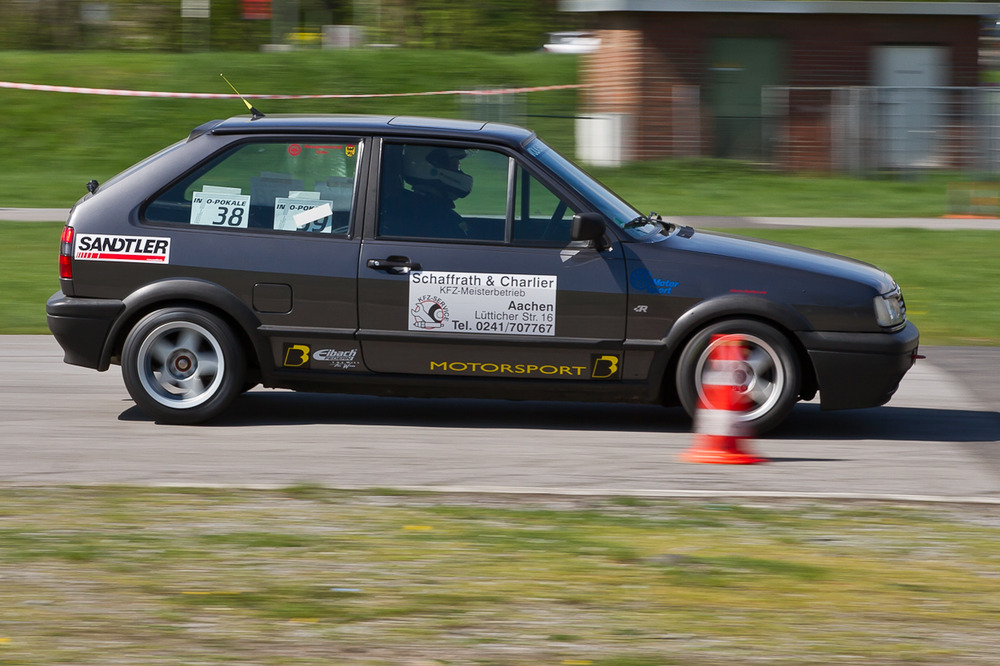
(572, 42)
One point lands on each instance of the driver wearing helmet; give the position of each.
(437, 180)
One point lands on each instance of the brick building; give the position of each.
(762, 79)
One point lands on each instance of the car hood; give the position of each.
(776, 254)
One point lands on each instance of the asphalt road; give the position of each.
(939, 439)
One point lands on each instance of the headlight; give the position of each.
(890, 310)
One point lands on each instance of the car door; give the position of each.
(467, 269)
(270, 221)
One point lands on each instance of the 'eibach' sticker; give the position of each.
(108, 247)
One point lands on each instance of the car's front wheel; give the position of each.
(767, 374)
(182, 365)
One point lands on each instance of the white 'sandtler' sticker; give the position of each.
(109, 247)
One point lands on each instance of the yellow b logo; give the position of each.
(296, 356)
(605, 367)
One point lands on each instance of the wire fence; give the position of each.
(862, 129)
(851, 129)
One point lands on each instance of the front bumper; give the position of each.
(855, 370)
(81, 326)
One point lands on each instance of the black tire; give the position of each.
(772, 371)
(182, 365)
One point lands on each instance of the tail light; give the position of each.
(66, 254)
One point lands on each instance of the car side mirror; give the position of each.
(587, 227)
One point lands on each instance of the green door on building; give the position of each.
(738, 69)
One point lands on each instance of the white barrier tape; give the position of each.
(175, 95)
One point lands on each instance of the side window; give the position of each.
(540, 216)
(284, 187)
(443, 193)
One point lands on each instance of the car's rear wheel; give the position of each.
(768, 373)
(182, 365)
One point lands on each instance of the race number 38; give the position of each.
(231, 211)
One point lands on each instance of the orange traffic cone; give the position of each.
(719, 434)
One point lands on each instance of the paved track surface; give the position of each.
(938, 439)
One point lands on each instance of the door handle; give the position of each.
(394, 264)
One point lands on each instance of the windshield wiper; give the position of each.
(652, 218)
(640, 221)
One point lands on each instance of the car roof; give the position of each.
(440, 128)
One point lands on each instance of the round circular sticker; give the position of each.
(294, 150)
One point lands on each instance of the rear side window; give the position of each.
(284, 187)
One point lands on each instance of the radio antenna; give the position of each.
(254, 113)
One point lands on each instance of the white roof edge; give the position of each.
(785, 7)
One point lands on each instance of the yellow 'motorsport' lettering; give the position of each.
(509, 369)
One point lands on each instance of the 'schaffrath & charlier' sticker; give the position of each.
(492, 303)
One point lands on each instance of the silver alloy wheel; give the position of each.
(180, 364)
(760, 375)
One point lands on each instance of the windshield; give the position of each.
(606, 202)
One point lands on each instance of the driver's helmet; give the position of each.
(436, 169)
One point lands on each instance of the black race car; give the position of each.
(430, 257)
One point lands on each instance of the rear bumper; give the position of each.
(857, 370)
(81, 326)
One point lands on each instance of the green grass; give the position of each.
(287, 577)
(947, 276)
(51, 144)
(728, 188)
(29, 274)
